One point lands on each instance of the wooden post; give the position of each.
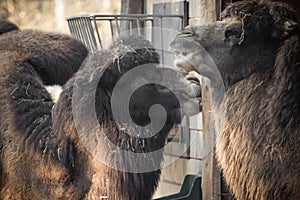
(131, 7)
(202, 12)
(211, 178)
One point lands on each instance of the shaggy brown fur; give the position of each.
(42, 156)
(256, 48)
(30, 59)
(55, 57)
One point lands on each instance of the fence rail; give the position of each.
(86, 27)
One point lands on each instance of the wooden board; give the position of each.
(202, 12)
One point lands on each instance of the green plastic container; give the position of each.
(190, 189)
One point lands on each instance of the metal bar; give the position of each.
(77, 29)
(71, 28)
(97, 31)
(138, 25)
(162, 39)
(117, 24)
(136, 15)
(130, 27)
(111, 28)
(91, 31)
(83, 29)
(84, 33)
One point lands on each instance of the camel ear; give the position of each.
(284, 28)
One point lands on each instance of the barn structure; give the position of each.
(194, 155)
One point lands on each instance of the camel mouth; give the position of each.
(195, 61)
(194, 103)
(183, 62)
(193, 79)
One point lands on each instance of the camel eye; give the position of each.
(234, 34)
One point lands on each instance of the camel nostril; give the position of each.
(185, 33)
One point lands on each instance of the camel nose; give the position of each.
(185, 33)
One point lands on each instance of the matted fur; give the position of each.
(256, 48)
(42, 156)
(30, 152)
(104, 180)
(55, 57)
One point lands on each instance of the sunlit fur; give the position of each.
(256, 49)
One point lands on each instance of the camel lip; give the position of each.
(194, 77)
(193, 85)
(194, 80)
